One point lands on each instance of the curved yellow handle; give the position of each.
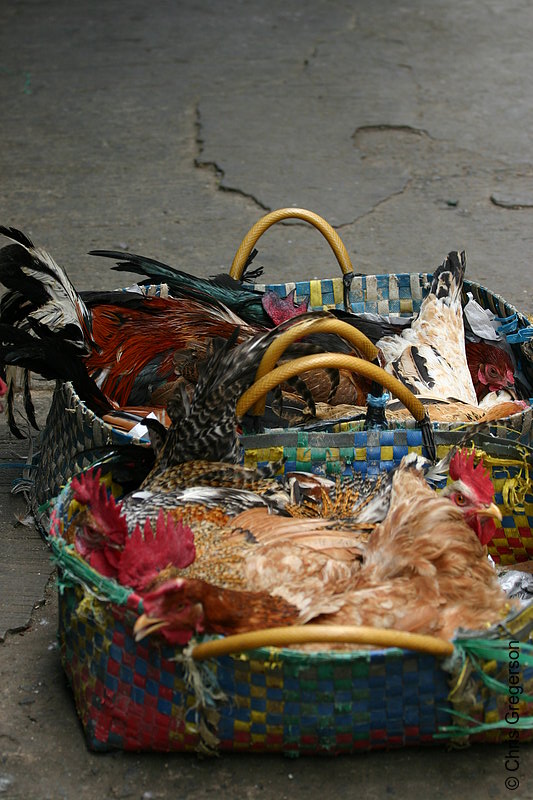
(338, 361)
(305, 328)
(337, 245)
(305, 634)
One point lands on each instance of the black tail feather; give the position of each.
(10, 407)
(52, 359)
(449, 276)
(29, 408)
(16, 236)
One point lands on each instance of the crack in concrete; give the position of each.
(49, 586)
(377, 205)
(388, 127)
(218, 173)
(216, 170)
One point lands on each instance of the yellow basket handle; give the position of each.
(305, 328)
(330, 234)
(306, 634)
(336, 360)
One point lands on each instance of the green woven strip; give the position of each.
(77, 571)
(493, 650)
(445, 731)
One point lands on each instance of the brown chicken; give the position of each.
(491, 368)
(424, 568)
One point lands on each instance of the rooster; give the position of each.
(123, 341)
(254, 307)
(100, 535)
(123, 349)
(266, 309)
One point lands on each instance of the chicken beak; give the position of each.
(145, 625)
(491, 510)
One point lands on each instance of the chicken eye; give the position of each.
(460, 499)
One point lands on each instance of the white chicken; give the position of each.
(429, 357)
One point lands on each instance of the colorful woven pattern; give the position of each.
(148, 696)
(400, 293)
(132, 696)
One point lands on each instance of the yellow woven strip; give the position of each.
(258, 456)
(315, 294)
(303, 454)
(338, 290)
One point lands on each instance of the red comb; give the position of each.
(146, 553)
(462, 468)
(90, 490)
(280, 309)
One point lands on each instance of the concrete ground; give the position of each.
(168, 129)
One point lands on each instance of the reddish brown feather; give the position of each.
(213, 609)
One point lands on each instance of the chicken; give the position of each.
(424, 569)
(254, 307)
(180, 608)
(429, 357)
(472, 491)
(120, 349)
(116, 347)
(302, 565)
(491, 368)
(204, 429)
(100, 535)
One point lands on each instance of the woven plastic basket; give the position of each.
(67, 436)
(220, 695)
